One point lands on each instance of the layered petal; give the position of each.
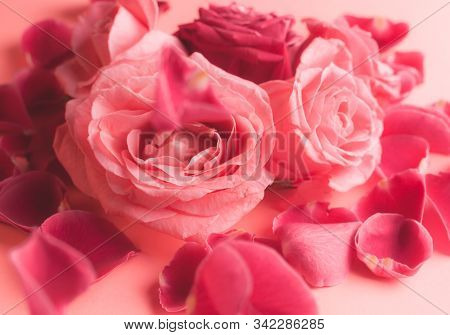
(318, 242)
(393, 246)
(402, 193)
(52, 273)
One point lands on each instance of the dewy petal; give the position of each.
(438, 195)
(99, 240)
(318, 242)
(242, 277)
(177, 278)
(48, 43)
(392, 245)
(434, 127)
(52, 273)
(28, 199)
(403, 193)
(403, 152)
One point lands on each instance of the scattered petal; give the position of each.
(52, 273)
(28, 199)
(99, 240)
(234, 279)
(13, 113)
(48, 43)
(318, 242)
(393, 246)
(177, 278)
(438, 195)
(403, 193)
(403, 152)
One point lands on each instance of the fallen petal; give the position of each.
(393, 246)
(318, 242)
(438, 195)
(52, 273)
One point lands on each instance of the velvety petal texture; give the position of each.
(403, 193)
(234, 279)
(254, 46)
(27, 199)
(438, 195)
(393, 246)
(52, 272)
(48, 43)
(318, 242)
(99, 240)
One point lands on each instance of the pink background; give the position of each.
(132, 287)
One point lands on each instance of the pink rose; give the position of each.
(253, 46)
(327, 120)
(198, 175)
(105, 30)
(391, 77)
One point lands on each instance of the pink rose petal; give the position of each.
(392, 245)
(99, 240)
(52, 272)
(48, 43)
(403, 193)
(434, 126)
(177, 278)
(438, 196)
(403, 152)
(318, 242)
(386, 32)
(13, 113)
(28, 199)
(241, 277)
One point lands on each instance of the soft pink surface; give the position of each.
(132, 287)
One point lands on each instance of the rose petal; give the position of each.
(403, 152)
(52, 273)
(28, 199)
(403, 193)
(48, 43)
(177, 278)
(438, 195)
(99, 240)
(392, 245)
(13, 113)
(434, 127)
(386, 32)
(234, 279)
(318, 242)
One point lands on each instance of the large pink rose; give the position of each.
(254, 46)
(327, 120)
(106, 29)
(170, 141)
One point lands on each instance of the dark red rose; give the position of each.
(258, 47)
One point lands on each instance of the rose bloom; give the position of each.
(253, 46)
(327, 120)
(104, 30)
(170, 141)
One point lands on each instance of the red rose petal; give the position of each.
(28, 199)
(318, 242)
(403, 152)
(434, 127)
(392, 245)
(48, 43)
(13, 113)
(438, 195)
(177, 278)
(386, 32)
(403, 193)
(103, 244)
(241, 277)
(52, 273)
